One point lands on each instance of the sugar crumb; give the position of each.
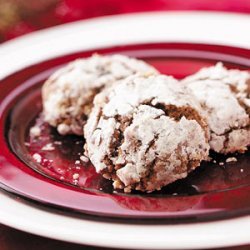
(221, 163)
(75, 182)
(241, 170)
(63, 129)
(35, 131)
(231, 159)
(37, 157)
(57, 142)
(48, 147)
(84, 158)
(75, 176)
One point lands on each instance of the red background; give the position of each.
(18, 17)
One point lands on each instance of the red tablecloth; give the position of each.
(18, 17)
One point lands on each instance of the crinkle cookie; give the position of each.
(68, 94)
(224, 97)
(145, 133)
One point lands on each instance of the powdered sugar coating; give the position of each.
(224, 96)
(137, 133)
(237, 80)
(68, 94)
(234, 77)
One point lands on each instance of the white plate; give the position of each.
(83, 231)
(227, 29)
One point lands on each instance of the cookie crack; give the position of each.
(177, 113)
(231, 129)
(240, 100)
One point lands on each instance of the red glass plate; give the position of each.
(210, 192)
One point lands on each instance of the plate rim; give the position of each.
(214, 240)
(22, 173)
(98, 233)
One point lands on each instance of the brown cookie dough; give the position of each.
(68, 94)
(145, 133)
(224, 96)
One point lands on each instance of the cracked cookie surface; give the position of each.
(68, 94)
(145, 133)
(224, 96)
